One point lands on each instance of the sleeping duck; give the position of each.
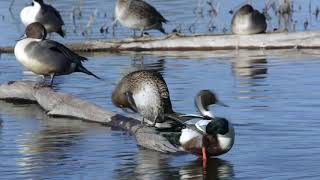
(248, 21)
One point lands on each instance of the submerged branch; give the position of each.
(177, 42)
(65, 105)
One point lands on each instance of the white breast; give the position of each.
(226, 141)
(147, 100)
(19, 51)
(188, 134)
(29, 13)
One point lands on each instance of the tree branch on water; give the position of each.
(203, 42)
(65, 105)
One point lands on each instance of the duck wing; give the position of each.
(147, 10)
(60, 48)
(50, 14)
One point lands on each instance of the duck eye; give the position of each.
(32, 4)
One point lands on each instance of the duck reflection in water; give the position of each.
(250, 68)
(251, 73)
(146, 164)
(140, 61)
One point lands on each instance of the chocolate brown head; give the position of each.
(36, 30)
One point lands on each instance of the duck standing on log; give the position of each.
(144, 92)
(47, 15)
(138, 15)
(47, 57)
(248, 21)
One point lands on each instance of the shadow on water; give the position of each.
(148, 164)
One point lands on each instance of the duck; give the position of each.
(144, 92)
(248, 20)
(47, 15)
(138, 15)
(47, 57)
(209, 136)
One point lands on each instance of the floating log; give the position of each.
(65, 105)
(201, 42)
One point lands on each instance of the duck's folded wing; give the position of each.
(201, 125)
(49, 13)
(60, 48)
(148, 10)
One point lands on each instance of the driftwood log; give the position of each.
(65, 105)
(203, 42)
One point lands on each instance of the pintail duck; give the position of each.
(138, 15)
(47, 57)
(47, 15)
(248, 21)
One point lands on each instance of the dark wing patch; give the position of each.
(57, 14)
(49, 12)
(148, 10)
(57, 47)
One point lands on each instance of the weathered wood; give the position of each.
(201, 42)
(65, 105)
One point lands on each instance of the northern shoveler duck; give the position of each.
(211, 136)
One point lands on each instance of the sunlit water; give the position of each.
(273, 98)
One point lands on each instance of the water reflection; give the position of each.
(140, 61)
(217, 169)
(250, 67)
(148, 164)
(43, 150)
(251, 72)
(1, 121)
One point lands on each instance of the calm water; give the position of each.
(273, 98)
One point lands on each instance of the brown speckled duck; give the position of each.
(138, 15)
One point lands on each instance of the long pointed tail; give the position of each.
(183, 118)
(84, 70)
(61, 32)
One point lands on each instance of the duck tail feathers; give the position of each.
(61, 33)
(86, 71)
